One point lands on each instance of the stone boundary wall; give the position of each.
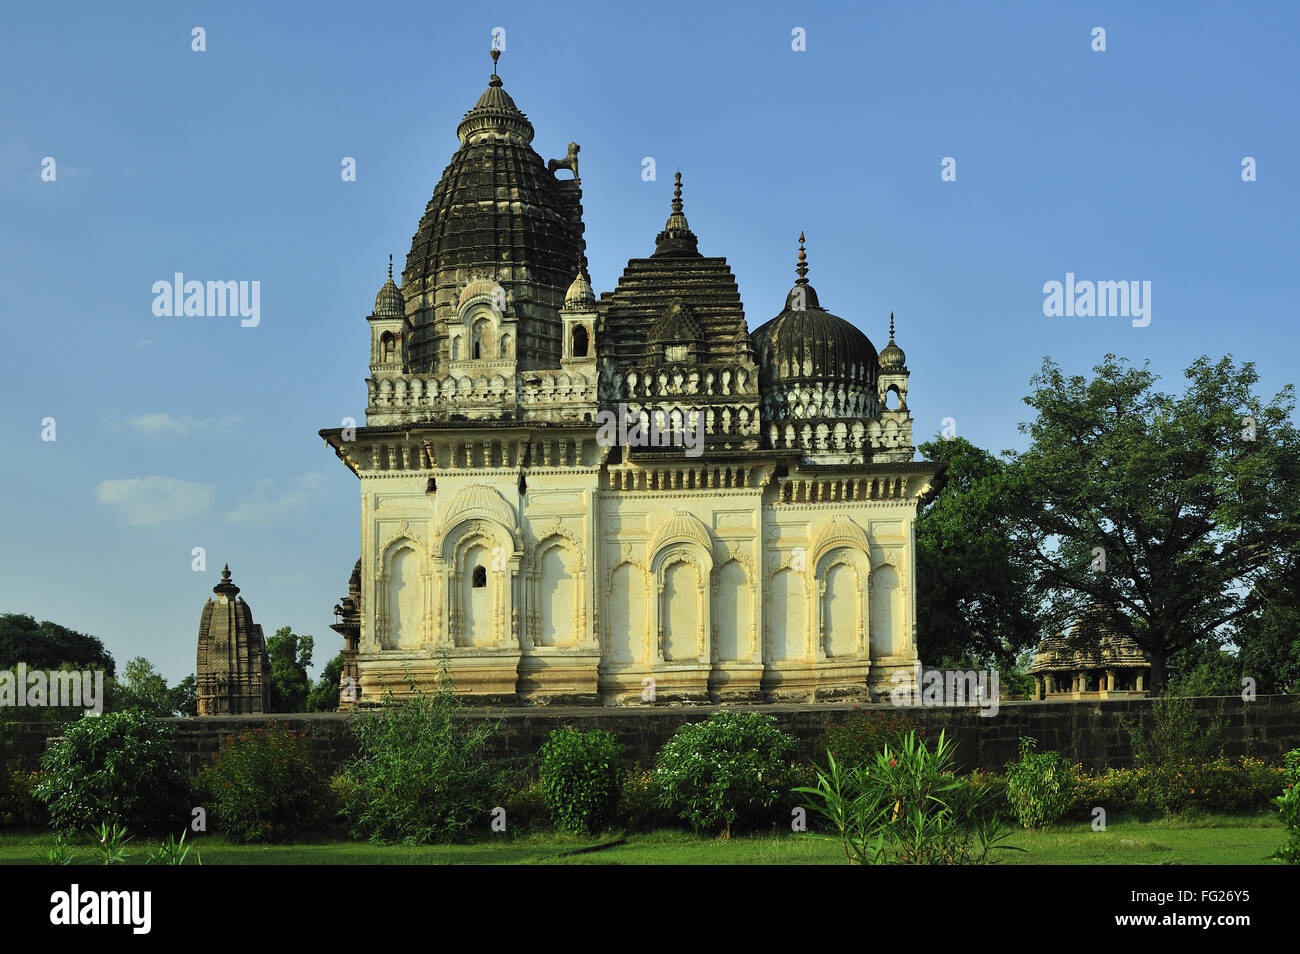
(1088, 732)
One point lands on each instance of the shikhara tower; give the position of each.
(498, 531)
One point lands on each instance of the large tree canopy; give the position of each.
(290, 655)
(972, 586)
(48, 645)
(1167, 512)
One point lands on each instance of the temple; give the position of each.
(234, 674)
(1091, 661)
(745, 533)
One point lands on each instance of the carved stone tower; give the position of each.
(233, 674)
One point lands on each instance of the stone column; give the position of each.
(1038, 687)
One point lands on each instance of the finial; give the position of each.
(802, 267)
(390, 266)
(677, 191)
(496, 55)
(891, 326)
(225, 587)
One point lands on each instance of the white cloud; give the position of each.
(265, 506)
(150, 501)
(162, 424)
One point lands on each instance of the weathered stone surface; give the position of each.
(1090, 734)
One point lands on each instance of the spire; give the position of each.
(802, 267)
(495, 80)
(390, 266)
(891, 326)
(677, 235)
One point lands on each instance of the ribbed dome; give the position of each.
(579, 293)
(892, 357)
(496, 212)
(495, 113)
(814, 346)
(389, 302)
(807, 344)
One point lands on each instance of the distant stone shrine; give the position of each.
(1092, 662)
(234, 674)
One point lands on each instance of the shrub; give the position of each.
(19, 806)
(421, 773)
(118, 767)
(727, 770)
(580, 778)
(264, 786)
(1288, 806)
(1218, 785)
(1172, 735)
(640, 804)
(863, 734)
(1038, 785)
(909, 807)
(525, 803)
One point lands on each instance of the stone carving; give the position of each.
(570, 161)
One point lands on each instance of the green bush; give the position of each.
(19, 806)
(729, 770)
(525, 803)
(909, 807)
(863, 734)
(1288, 806)
(120, 767)
(264, 786)
(1171, 734)
(640, 805)
(421, 773)
(580, 774)
(1039, 785)
(1219, 785)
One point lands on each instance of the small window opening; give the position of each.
(480, 577)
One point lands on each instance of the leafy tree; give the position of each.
(1188, 499)
(144, 688)
(1269, 639)
(48, 645)
(324, 696)
(290, 655)
(973, 586)
(1205, 669)
(185, 696)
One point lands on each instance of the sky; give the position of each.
(171, 433)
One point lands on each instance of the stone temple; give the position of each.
(623, 499)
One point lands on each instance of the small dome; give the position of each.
(389, 303)
(480, 288)
(579, 293)
(807, 343)
(892, 357)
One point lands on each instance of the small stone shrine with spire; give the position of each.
(233, 676)
(547, 556)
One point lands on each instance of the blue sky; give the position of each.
(174, 433)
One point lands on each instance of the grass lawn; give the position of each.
(1205, 840)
